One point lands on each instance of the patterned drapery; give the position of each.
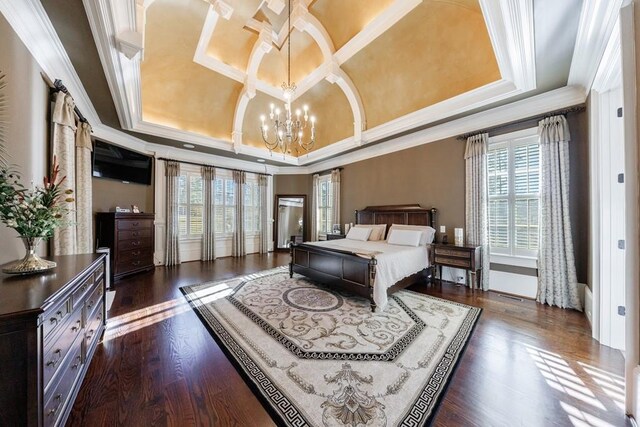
(557, 281)
(476, 200)
(208, 214)
(64, 129)
(264, 213)
(335, 191)
(314, 208)
(84, 209)
(239, 179)
(172, 251)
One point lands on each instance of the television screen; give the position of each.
(113, 162)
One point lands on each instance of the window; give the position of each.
(225, 205)
(513, 169)
(190, 202)
(325, 202)
(251, 207)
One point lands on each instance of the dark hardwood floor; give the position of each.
(525, 365)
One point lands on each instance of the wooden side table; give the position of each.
(466, 257)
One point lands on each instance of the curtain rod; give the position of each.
(563, 111)
(204, 164)
(327, 171)
(57, 86)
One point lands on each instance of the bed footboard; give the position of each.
(336, 269)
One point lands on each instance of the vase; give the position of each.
(31, 263)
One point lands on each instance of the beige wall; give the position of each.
(27, 130)
(108, 193)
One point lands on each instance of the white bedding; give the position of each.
(394, 262)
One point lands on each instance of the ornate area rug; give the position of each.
(321, 358)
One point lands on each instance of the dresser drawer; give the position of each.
(133, 264)
(55, 317)
(93, 301)
(58, 397)
(455, 262)
(94, 326)
(452, 252)
(97, 275)
(134, 234)
(58, 346)
(134, 224)
(79, 293)
(125, 245)
(135, 254)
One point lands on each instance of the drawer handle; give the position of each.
(135, 243)
(90, 305)
(135, 223)
(54, 410)
(52, 362)
(135, 263)
(135, 253)
(76, 328)
(75, 365)
(135, 233)
(54, 320)
(90, 334)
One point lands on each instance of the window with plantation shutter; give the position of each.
(225, 205)
(190, 202)
(325, 205)
(513, 173)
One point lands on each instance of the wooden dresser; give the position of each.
(466, 257)
(130, 237)
(50, 326)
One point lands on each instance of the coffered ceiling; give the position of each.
(212, 68)
(202, 71)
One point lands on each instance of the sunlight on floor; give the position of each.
(119, 326)
(562, 377)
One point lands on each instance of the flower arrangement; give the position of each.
(34, 212)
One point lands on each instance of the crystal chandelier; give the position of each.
(287, 131)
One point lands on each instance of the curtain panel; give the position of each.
(263, 183)
(84, 208)
(476, 200)
(172, 250)
(239, 235)
(208, 214)
(64, 130)
(335, 202)
(314, 208)
(557, 281)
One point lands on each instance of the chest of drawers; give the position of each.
(50, 326)
(130, 237)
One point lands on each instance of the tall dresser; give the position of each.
(130, 237)
(50, 326)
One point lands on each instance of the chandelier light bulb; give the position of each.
(313, 120)
(277, 111)
(262, 118)
(305, 107)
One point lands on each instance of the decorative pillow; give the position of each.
(427, 235)
(359, 233)
(405, 237)
(377, 230)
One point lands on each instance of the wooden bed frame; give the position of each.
(346, 271)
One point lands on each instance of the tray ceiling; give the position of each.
(201, 57)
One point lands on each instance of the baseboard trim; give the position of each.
(588, 305)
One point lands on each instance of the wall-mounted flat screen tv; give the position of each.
(113, 162)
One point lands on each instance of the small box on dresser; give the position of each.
(130, 236)
(50, 326)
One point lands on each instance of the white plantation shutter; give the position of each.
(513, 169)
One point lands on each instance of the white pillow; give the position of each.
(359, 233)
(427, 235)
(377, 230)
(405, 237)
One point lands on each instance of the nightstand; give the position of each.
(466, 257)
(331, 236)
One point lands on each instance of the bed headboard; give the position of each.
(397, 214)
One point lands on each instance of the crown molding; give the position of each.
(530, 107)
(512, 34)
(597, 20)
(609, 72)
(30, 22)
